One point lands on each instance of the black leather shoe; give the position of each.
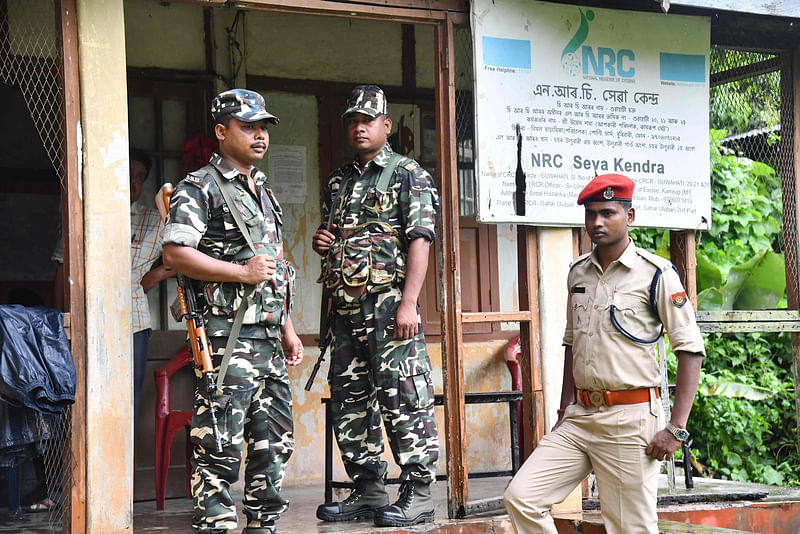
(414, 505)
(362, 503)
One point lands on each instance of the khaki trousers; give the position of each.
(609, 440)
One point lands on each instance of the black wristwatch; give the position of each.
(681, 434)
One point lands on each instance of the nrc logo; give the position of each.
(605, 61)
(577, 58)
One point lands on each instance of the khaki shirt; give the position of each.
(603, 358)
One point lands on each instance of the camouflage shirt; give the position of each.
(375, 227)
(200, 218)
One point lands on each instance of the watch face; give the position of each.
(681, 434)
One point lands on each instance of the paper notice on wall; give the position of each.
(564, 93)
(287, 173)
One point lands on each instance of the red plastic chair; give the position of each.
(168, 423)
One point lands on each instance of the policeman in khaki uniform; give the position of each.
(377, 225)
(203, 240)
(610, 419)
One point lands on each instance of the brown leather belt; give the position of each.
(588, 399)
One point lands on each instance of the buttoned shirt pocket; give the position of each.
(376, 201)
(581, 304)
(251, 216)
(248, 209)
(632, 313)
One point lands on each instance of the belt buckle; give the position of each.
(596, 398)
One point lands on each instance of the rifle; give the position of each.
(323, 341)
(187, 306)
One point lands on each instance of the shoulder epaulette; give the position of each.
(199, 177)
(195, 178)
(409, 164)
(655, 259)
(580, 259)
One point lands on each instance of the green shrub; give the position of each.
(743, 421)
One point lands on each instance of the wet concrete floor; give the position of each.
(300, 519)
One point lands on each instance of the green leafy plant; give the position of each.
(757, 284)
(743, 420)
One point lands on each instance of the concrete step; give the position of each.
(592, 523)
(674, 527)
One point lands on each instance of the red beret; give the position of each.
(607, 187)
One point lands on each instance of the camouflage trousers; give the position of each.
(256, 407)
(373, 377)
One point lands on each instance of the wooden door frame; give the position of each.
(444, 15)
(73, 237)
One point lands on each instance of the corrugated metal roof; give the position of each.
(752, 133)
(778, 8)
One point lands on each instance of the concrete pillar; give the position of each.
(555, 255)
(106, 201)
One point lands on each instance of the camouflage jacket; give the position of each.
(375, 227)
(200, 218)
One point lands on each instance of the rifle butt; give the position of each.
(162, 200)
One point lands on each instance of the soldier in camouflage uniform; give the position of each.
(377, 225)
(203, 241)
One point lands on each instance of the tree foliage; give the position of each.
(743, 104)
(743, 420)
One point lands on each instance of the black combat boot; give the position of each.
(367, 497)
(263, 529)
(414, 505)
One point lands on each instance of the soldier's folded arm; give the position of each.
(195, 264)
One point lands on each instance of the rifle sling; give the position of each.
(233, 336)
(381, 182)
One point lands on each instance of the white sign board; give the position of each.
(565, 93)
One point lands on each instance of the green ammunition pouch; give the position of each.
(371, 253)
(268, 303)
(366, 254)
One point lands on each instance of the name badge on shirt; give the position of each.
(577, 289)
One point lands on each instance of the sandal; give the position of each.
(45, 505)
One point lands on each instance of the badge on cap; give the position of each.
(679, 299)
(608, 194)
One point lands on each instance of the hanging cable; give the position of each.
(235, 48)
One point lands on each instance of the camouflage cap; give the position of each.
(366, 99)
(247, 106)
